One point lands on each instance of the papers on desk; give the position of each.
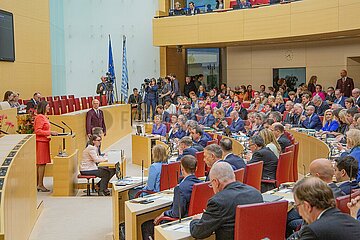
(184, 226)
(128, 181)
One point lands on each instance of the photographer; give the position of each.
(101, 87)
(150, 97)
(135, 101)
(166, 90)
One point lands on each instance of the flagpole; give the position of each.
(116, 90)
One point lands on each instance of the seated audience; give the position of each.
(264, 154)
(278, 130)
(311, 120)
(319, 92)
(340, 99)
(306, 100)
(188, 114)
(276, 116)
(235, 161)
(346, 169)
(320, 105)
(236, 125)
(227, 107)
(32, 104)
(279, 105)
(208, 120)
(165, 116)
(88, 165)
(353, 146)
(330, 95)
(179, 130)
(192, 10)
(315, 202)
(270, 141)
(329, 123)
(212, 154)
(200, 111)
(185, 148)
(258, 125)
(243, 4)
(349, 103)
(159, 157)
(181, 199)
(201, 94)
(243, 113)
(200, 138)
(356, 95)
(219, 118)
(256, 106)
(177, 10)
(170, 107)
(219, 215)
(158, 127)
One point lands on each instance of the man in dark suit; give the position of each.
(175, 86)
(208, 119)
(340, 99)
(32, 104)
(346, 169)
(278, 130)
(235, 161)
(181, 199)
(356, 95)
(219, 216)
(199, 136)
(237, 124)
(320, 105)
(165, 116)
(192, 10)
(101, 87)
(188, 114)
(243, 113)
(298, 112)
(135, 101)
(95, 118)
(227, 107)
(189, 86)
(311, 120)
(324, 221)
(264, 154)
(345, 84)
(185, 148)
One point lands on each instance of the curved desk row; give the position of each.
(18, 205)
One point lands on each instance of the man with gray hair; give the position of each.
(320, 105)
(235, 161)
(185, 148)
(311, 120)
(219, 216)
(212, 154)
(237, 123)
(356, 95)
(298, 112)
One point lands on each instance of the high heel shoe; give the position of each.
(43, 190)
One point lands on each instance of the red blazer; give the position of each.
(42, 128)
(92, 120)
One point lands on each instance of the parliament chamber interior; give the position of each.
(180, 119)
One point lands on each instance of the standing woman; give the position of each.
(151, 97)
(42, 132)
(312, 84)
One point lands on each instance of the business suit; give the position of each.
(279, 108)
(228, 111)
(165, 117)
(219, 216)
(345, 86)
(355, 153)
(347, 186)
(99, 90)
(284, 142)
(243, 113)
(235, 161)
(336, 190)
(312, 122)
(341, 101)
(207, 120)
(237, 126)
(332, 225)
(187, 151)
(32, 104)
(203, 139)
(94, 119)
(320, 110)
(193, 12)
(190, 116)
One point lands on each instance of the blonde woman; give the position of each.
(270, 141)
(279, 105)
(219, 117)
(353, 146)
(329, 123)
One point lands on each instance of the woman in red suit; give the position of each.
(42, 132)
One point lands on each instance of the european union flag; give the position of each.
(111, 69)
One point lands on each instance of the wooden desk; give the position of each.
(310, 148)
(136, 214)
(141, 149)
(176, 231)
(119, 196)
(19, 208)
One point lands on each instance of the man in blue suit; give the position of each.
(165, 116)
(311, 120)
(346, 170)
(185, 148)
(235, 161)
(227, 107)
(237, 124)
(340, 99)
(182, 195)
(199, 136)
(208, 119)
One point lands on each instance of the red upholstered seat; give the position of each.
(88, 177)
(211, 142)
(71, 103)
(253, 174)
(49, 99)
(283, 169)
(229, 120)
(103, 100)
(239, 175)
(84, 103)
(248, 224)
(56, 107)
(284, 115)
(90, 100)
(200, 169)
(56, 98)
(63, 106)
(50, 112)
(341, 202)
(246, 104)
(296, 156)
(77, 104)
(71, 96)
(291, 148)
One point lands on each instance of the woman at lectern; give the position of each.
(42, 132)
(88, 165)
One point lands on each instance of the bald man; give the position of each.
(95, 118)
(323, 169)
(311, 120)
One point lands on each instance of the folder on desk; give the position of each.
(271, 198)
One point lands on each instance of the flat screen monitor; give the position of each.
(7, 48)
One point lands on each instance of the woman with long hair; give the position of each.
(270, 141)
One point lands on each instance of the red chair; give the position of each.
(49, 99)
(321, 118)
(291, 148)
(56, 98)
(283, 169)
(201, 193)
(295, 164)
(248, 224)
(253, 174)
(229, 120)
(211, 135)
(98, 98)
(246, 104)
(90, 100)
(103, 100)
(56, 107)
(50, 112)
(200, 166)
(168, 177)
(290, 137)
(211, 142)
(284, 115)
(168, 126)
(219, 137)
(71, 96)
(341, 202)
(88, 177)
(239, 174)
(63, 106)
(84, 103)
(63, 97)
(42, 99)
(20, 101)
(25, 102)
(77, 104)
(71, 104)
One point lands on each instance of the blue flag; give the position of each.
(111, 69)
(124, 76)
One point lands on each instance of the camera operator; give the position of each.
(101, 87)
(151, 96)
(166, 91)
(135, 101)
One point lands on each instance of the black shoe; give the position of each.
(101, 193)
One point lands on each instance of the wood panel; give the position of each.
(11, 115)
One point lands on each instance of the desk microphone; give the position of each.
(122, 152)
(142, 172)
(179, 203)
(71, 132)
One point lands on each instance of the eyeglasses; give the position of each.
(211, 184)
(296, 206)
